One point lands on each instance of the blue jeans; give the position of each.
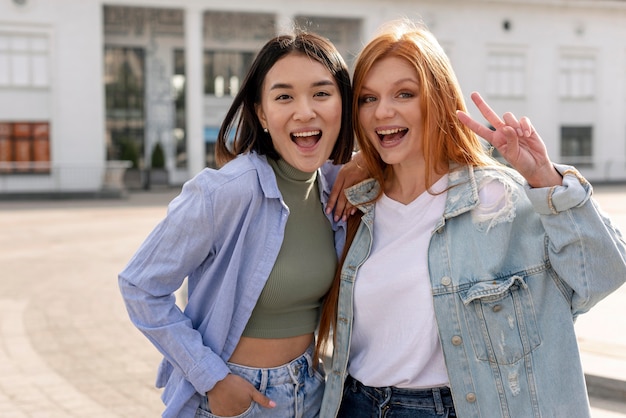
(360, 401)
(296, 387)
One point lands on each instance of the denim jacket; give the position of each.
(506, 292)
(223, 232)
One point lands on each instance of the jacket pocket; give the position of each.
(501, 320)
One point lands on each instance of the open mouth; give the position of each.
(306, 139)
(392, 134)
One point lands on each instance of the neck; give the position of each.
(405, 183)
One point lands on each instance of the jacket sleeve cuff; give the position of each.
(574, 192)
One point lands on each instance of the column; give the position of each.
(194, 94)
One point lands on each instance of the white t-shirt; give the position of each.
(395, 341)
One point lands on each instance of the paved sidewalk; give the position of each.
(67, 348)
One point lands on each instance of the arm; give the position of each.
(587, 252)
(585, 249)
(173, 251)
(170, 253)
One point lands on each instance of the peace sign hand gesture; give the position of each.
(517, 141)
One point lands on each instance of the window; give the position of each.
(577, 145)
(180, 122)
(577, 77)
(231, 41)
(24, 147)
(344, 33)
(224, 71)
(506, 73)
(124, 83)
(24, 60)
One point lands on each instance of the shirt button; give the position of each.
(497, 308)
(470, 397)
(446, 281)
(457, 340)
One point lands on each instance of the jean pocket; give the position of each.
(501, 319)
(319, 373)
(204, 411)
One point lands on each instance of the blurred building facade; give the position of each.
(85, 84)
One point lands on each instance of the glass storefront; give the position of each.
(124, 96)
(145, 74)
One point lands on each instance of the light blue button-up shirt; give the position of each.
(223, 232)
(506, 292)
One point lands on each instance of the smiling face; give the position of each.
(301, 108)
(390, 112)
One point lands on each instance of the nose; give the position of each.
(304, 111)
(383, 109)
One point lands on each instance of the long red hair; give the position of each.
(446, 141)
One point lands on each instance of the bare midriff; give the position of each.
(269, 352)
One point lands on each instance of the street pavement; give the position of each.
(68, 349)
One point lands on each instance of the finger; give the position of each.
(335, 194)
(510, 133)
(263, 400)
(512, 121)
(340, 207)
(526, 126)
(474, 125)
(348, 211)
(491, 116)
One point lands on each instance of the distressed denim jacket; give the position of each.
(223, 232)
(506, 292)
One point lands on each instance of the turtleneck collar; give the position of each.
(285, 170)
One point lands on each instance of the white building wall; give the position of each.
(74, 102)
(469, 31)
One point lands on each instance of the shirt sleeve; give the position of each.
(175, 248)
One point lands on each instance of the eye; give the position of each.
(405, 95)
(367, 99)
(283, 97)
(322, 94)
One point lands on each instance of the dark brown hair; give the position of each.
(248, 134)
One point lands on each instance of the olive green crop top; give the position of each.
(290, 302)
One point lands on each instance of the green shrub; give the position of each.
(129, 152)
(158, 156)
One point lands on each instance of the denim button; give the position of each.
(457, 340)
(497, 308)
(446, 281)
(470, 397)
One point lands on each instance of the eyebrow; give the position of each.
(395, 83)
(320, 83)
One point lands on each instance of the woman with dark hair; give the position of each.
(458, 292)
(255, 244)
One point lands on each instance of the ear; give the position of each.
(261, 115)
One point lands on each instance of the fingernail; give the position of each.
(272, 404)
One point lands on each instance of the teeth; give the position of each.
(309, 133)
(389, 131)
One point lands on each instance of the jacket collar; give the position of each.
(462, 192)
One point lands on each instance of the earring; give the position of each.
(265, 130)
